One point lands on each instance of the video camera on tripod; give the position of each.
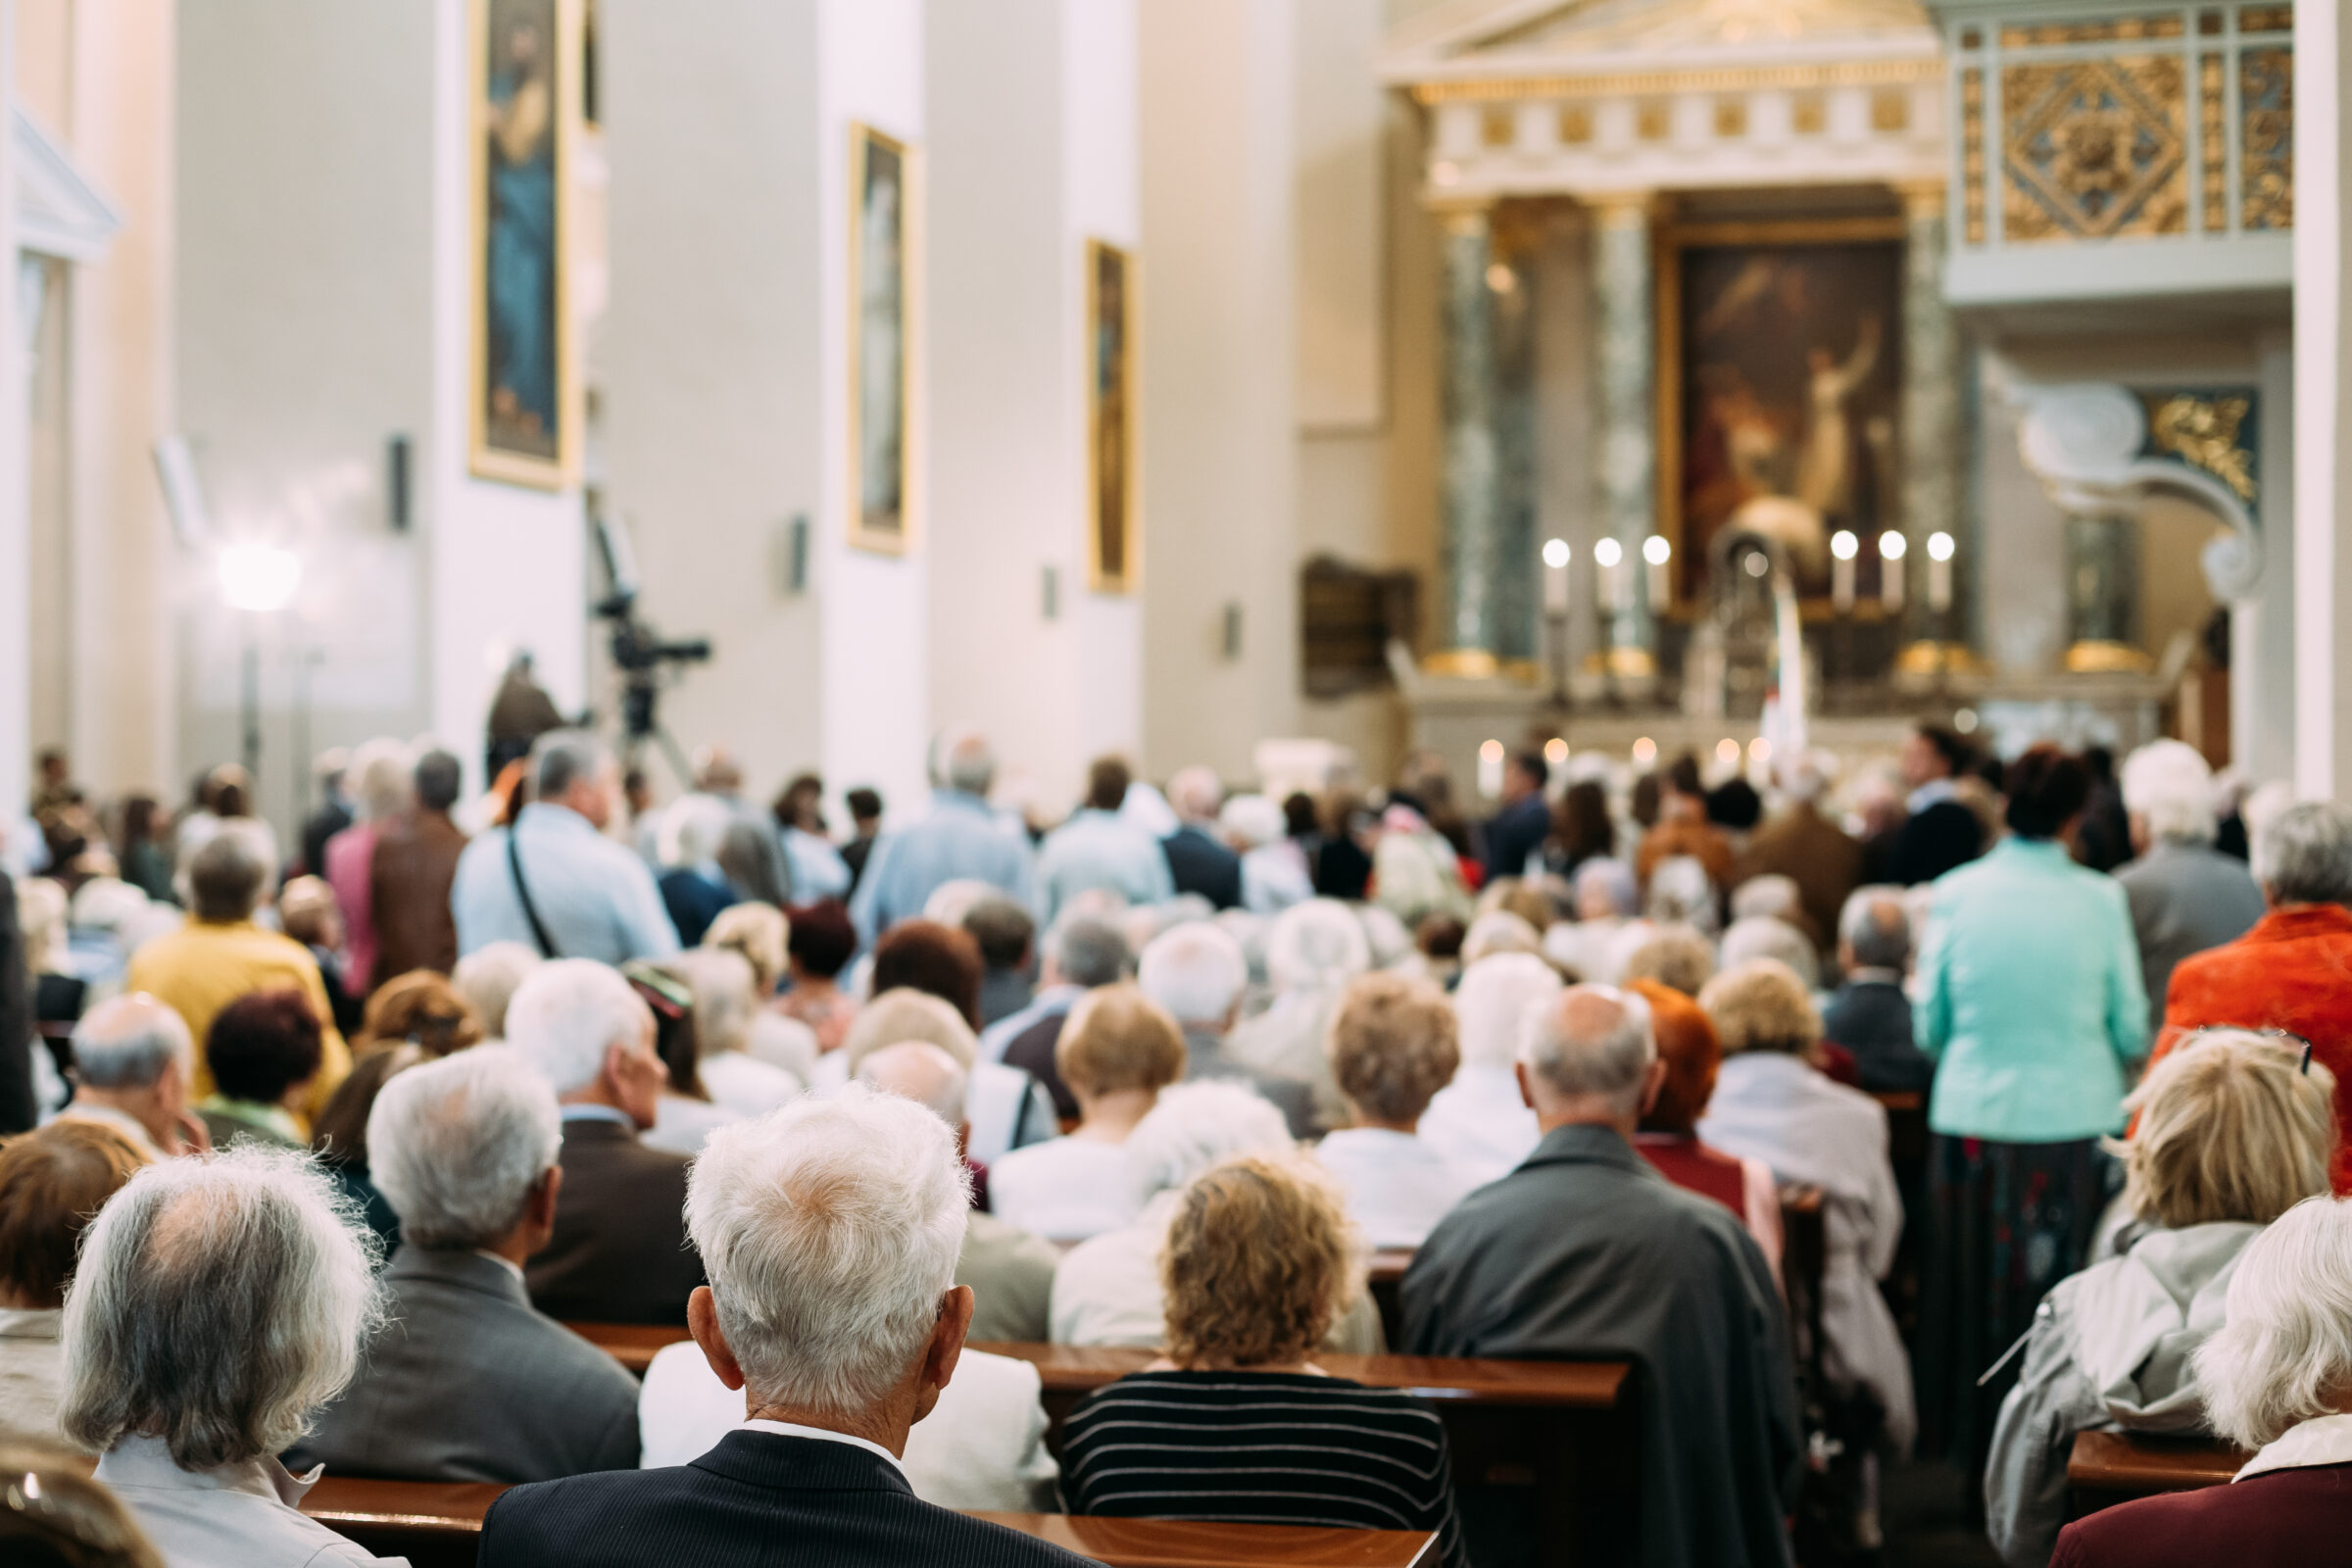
(639, 653)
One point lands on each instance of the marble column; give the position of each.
(1472, 459)
(1930, 432)
(1624, 376)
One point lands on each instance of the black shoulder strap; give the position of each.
(522, 891)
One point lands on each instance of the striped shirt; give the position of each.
(1260, 1447)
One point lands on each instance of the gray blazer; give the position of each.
(466, 1383)
(2185, 898)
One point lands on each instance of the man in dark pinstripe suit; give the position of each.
(830, 1230)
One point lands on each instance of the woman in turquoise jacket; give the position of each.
(2031, 1002)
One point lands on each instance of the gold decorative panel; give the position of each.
(2116, 30)
(2095, 149)
(1972, 155)
(1889, 109)
(2266, 19)
(1499, 127)
(1731, 117)
(1809, 114)
(2212, 147)
(2265, 97)
(1576, 124)
(2204, 432)
(1652, 121)
(2209, 24)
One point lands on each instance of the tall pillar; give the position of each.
(2322, 566)
(1624, 376)
(1473, 466)
(16, 545)
(1930, 436)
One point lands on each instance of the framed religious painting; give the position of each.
(881, 299)
(523, 386)
(1780, 392)
(1112, 556)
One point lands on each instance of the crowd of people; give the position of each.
(313, 1155)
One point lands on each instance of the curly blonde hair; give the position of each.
(1393, 1043)
(2231, 1127)
(1260, 1261)
(1761, 1005)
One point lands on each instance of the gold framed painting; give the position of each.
(1779, 390)
(881, 333)
(1113, 558)
(526, 406)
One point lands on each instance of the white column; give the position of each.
(1218, 366)
(2261, 629)
(16, 555)
(2323, 565)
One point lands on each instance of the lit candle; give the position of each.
(1843, 547)
(1939, 571)
(1657, 552)
(1613, 582)
(1489, 769)
(1555, 577)
(1890, 574)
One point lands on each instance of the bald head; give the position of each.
(920, 1072)
(130, 1042)
(1590, 1056)
(961, 759)
(1196, 793)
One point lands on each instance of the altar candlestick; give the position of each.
(1657, 552)
(1614, 581)
(1939, 571)
(1843, 547)
(1555, 577)
(1891, 570)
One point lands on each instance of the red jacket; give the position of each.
(2281, 1516)
(2294, 972)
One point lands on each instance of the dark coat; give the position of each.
(1032, 1051)
(760, 1497)
(2279, 1516)
(620, 1254)
(1200, 864)
(466, 1382)
(1514, 833)
(17, 1108)
(1585, 1253)
(1946, 836)
(1813, 852)
(409, 878)
(1872, 1021)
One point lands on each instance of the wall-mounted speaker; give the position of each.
(1049, 593)
(1232, 630)
(397, 483)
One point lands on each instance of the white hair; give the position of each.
(455, 1145)
(1805, 775)
(108, 904)
(1494, 997)
(1195, 793)
(2304, 854)
(380, 779)
(1088, 951)
(691, 830)
(1192, 1126)
(2168, 784)
(1250, 820)
(2285, 1353)
(41, 919)
(953, 899)
(562, 757)
(923, 1073)
(219, 1302)
(1499, 931)
(1875, 923)
(1680, 894)
(903, 1014)
(1771, 897)
(566, 1014)
(830, 1230)
(1606, 877)
(1196, 972)
(961, 759)
(1391, 943)
(1611, 1065)
(127, 1042)
(487, 978)
(723, 1004)
(1315, 945)
(1763, 935)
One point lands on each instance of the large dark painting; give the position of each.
(1783, 358)
(526, 391)
(1110, 417)
(879, 201)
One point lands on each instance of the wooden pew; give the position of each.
(2106, 1468)
(1386, 1273)
(1563, 1429)
(438, 1523)
(632, 1345)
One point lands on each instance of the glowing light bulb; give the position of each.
(1608, 553)
(1844, 544)
(258, 577)
(1891, 545)
(1940, 546)
(1555, 552)
(1656, 551)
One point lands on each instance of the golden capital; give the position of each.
(1620, 209)
(1922, 198)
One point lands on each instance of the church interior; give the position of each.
(1179, 413)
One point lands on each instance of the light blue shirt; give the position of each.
(596, 897)
(2030, 997)
(1100, 850)
(961, 839)
(814, 866)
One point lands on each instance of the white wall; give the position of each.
(2322, 414)
(15, 647)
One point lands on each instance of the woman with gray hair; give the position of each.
(2232, 1133)
(218, 1304)
(2186, 894)
(2276, 1379)
(1312, 950)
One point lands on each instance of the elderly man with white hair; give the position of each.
(1108, 1290)
(1480, 1122)
(132, 1064)
(1197, 974)
(1274, 874)
(1312, 950)
(832, 1228)
(553, 880)
(2276, 1379)
(1587, 1251)
(466, 1380)
(1870, 1016)
(1607, 899)
(2186, 894)
(1198, 860)
(218, 1303)
(617, 1252)
(985, 1446)
(961, 838)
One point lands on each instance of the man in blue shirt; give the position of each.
(554, 882)
(1099, 849)
(961, 838)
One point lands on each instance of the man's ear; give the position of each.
(1526, 1089)
(701, 1321)
(1653, 1082)
(540, 1206)
(946, 1348)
